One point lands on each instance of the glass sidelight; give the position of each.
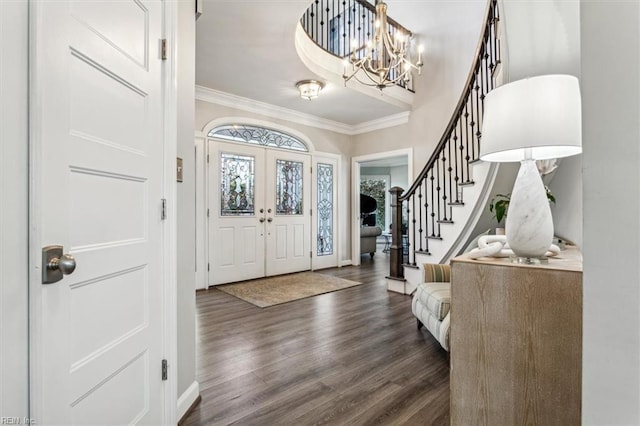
(325, 210)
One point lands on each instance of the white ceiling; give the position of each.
(246, 48)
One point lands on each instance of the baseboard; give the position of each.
(188, 400)
(345, 262)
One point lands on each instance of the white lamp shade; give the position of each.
(541, 113)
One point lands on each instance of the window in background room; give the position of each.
(378, 188)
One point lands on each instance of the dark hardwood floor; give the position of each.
(349, 357)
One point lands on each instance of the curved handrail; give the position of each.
(439, 186)
(464, 98)
(356, 29)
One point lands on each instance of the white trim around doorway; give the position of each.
(355, 191)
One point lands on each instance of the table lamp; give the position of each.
(537, 118)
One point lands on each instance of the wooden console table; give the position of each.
(516, 341)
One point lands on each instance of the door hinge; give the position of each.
(163, 212)
(207, 212)
(207, 158)
(311, 254)
(163, 49)
(165, 367)
(311, 169)
(208, 267)
(310, 212)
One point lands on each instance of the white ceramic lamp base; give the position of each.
(529, 224)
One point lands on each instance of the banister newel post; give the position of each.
(396, 251)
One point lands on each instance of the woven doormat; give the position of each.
(271, 291)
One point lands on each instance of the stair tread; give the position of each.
(445, 221)
(474, 161)
(430, 237)
(467, 183)
(425, 252)
(457, 203)
(407, 265)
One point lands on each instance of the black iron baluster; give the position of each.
(433, 213)
(456, 177)
(343, 14)
(420, 214)
(449, 170)
(438, 191)
(477, 133)
(413, 231)
(444, 184)
(463, 162)
(483, 93)
(316, 26)
(327, 22)
(426, 211)
(467, 158)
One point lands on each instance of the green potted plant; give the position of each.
(499, 204)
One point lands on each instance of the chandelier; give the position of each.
(383, 61)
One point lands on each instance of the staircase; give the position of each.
(446, 200)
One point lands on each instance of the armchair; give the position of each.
(432, 301)
(368, 235)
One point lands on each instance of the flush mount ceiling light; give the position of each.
(383, 61)
(309, 89)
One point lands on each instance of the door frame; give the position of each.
(169, 231)
(355, 191)
(202, 190)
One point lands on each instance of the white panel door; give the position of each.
(236, 212)
(288, 203)
(97, 164)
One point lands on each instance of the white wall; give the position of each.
(186, 192)
(611, 193)
(566, 186)
(543, 37)
(14, 341)
(399, 176)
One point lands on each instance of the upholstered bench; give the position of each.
(432, 301)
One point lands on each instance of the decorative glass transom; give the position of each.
(237, 181)
(325, 209)
(258, 136)
(288, 187)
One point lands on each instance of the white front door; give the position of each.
(97, 169)
(259, 212)
(288, 194)
(236, 212)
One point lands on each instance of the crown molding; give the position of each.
(381, 123)
(217, 97)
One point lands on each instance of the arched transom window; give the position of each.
(258, 136)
